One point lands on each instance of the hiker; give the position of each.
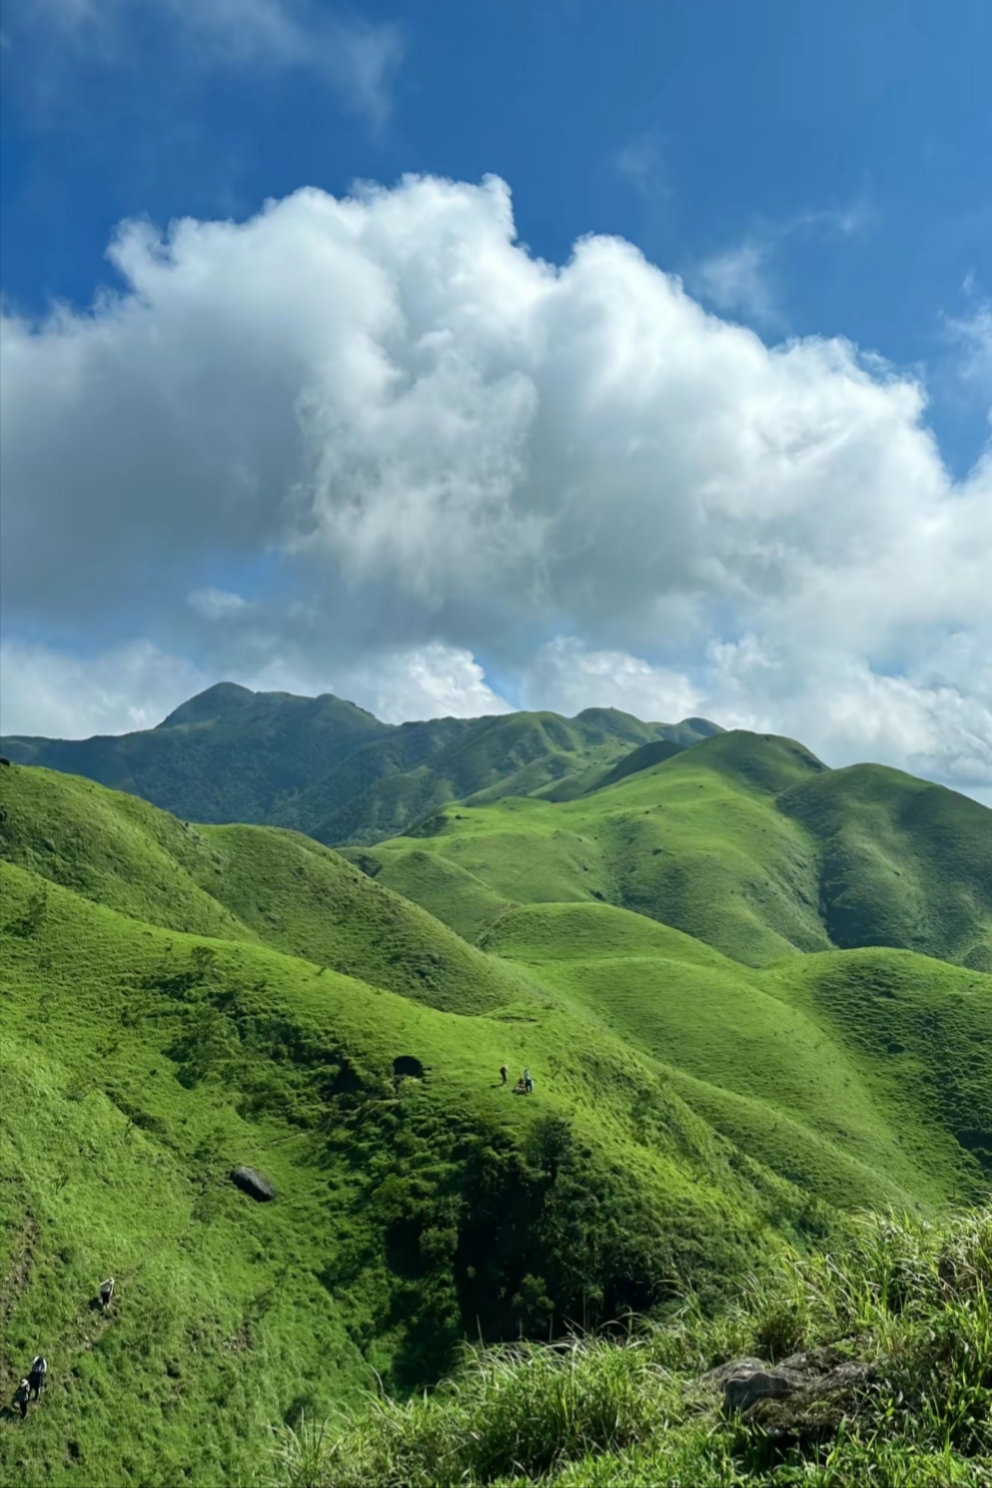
(528, 1082)
(21, 1397)
(106, 1292)
(503, 1074)
(38, 1376)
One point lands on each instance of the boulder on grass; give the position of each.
(746, 1381)
(804, 1398)
(253, 1183)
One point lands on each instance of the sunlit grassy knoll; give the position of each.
(809, 1067)
(743, 841)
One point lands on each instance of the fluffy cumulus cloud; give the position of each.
(55, 693)
(450, 449)
(566, 676)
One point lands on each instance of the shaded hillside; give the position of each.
(227, 755)
(330, 769)
(519, 754)
(902, 862)
(745, 841)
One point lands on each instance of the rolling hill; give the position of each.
(178, 1000)
(745, 841)
(332, 770)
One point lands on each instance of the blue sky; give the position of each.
(808, 171)
(850, 144)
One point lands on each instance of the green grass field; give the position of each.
(180, 999)
(743, 841)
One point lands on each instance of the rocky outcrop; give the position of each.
(253, 1183)
(802, 1397)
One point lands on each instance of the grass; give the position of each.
(142, 1062)
(745, 842)
(908, 1301)
(849, 1072)
(180, 999)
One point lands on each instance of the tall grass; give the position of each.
(909, 1299)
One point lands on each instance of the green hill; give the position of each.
(179, 1000)
(330, 769)
(417, 1200)
(744, 841)
(860, 1075)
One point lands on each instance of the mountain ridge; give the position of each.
(330, 768)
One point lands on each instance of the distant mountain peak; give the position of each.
(209, 704)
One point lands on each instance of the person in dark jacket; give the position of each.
(21, 1397)
(38, 1377)
(503, 1073)
(106, 1292)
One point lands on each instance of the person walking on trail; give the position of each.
(38, 1377)
(21, 1397)
(106, 1292)
(503, 1074)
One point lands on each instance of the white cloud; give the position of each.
(443, 441)
(395, 683)
(56, 694)
(737, 281)
(216, 604)
(972, 336)
(357, 58)
(566, 677)
(432, 681)
(937, 721)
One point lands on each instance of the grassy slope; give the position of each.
(903, 862)
(242, 883)
(146, 1060)
(142, 1061)
(743, 841)
(908, 1303)
(141, 1064)
(517, 754)
(850, 1073)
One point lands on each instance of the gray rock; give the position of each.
(749, 1381)
(251, 1182)
(804, 1397)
